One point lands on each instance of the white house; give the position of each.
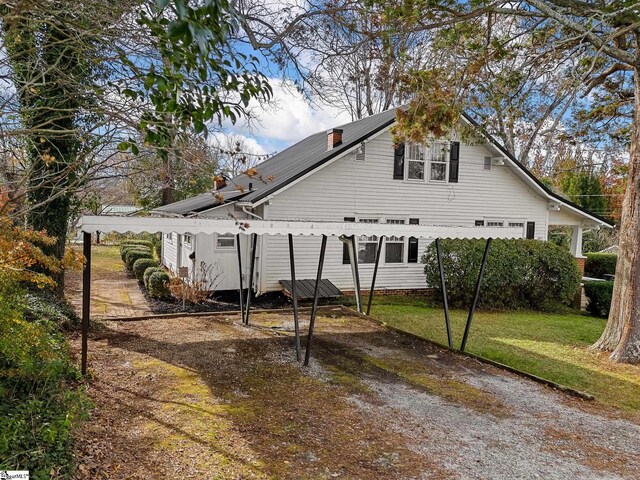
(355, 173)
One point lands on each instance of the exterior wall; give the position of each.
(366, 189)
(170, 252)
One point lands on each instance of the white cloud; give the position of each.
(290, 118)
(251, 144)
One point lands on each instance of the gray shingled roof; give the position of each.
(306, 155)
(286, 166)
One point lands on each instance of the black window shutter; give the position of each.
(531, 230)
(398, 162)
(454, 162)
(345, 248)
(413, 250)
(414, 221)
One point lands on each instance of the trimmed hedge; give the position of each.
(135, 241)
(520, 274)
(597, 265)
(140, 265)
(159, 285)
(132, 255)
(127, 248)
(147, 273)
(599, 295)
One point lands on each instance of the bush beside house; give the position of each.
(597, 265)
(159, 284)
(520, 274)
(141, 265)
(599, 295)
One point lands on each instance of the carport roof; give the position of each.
(193, 225)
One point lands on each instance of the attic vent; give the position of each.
(334, 138)
(360, 153)
(487, 163)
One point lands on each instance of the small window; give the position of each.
(226, 241)
(361, 153)
(479, 223)
(495, 224)
(531, 230)
(169, 238)
(187, 239)
(487, 163)
(412, 254)
(394, 250)
(516, 224)
(395, 221)
(414, 221)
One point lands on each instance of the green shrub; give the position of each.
(599, 295)
(140, 265)
(159, 285)
(519, 274)
(132, 255)
(44, 305)
(597, 265)
(39, 402)
(127, 248)
(135, 241)
(147, 273)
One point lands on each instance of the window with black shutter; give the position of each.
(398, 162)
(413, 250)
(454, 162)
(479, 223)
(345, 247)
(414, 221)
(531, 230)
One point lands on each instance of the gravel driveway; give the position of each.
(209, 398)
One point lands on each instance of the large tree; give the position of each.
(81, 81)
(606, 37)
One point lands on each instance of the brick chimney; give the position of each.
(334, 138)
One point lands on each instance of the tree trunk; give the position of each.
(622, 334)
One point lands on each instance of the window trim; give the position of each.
(185, 242)
(169, 238)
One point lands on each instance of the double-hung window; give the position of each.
(394, 246)
(427, 162)
(415, 161)
(438, 162)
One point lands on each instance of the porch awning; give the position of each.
(97, 223)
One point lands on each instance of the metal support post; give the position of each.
(445, 300)
(294, 294)
(314, 309)
(86, 299)
(240, 276)
(375, 274)
(475, 296)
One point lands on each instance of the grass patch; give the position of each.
(106, 259)
(551, 345)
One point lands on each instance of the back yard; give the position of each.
(206, 397)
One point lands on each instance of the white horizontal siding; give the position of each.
(347, 189)
(170, 252)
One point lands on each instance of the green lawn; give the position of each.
(551, 345)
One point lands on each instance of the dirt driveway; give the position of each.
(207, 398)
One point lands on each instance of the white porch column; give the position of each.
(576, 241)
